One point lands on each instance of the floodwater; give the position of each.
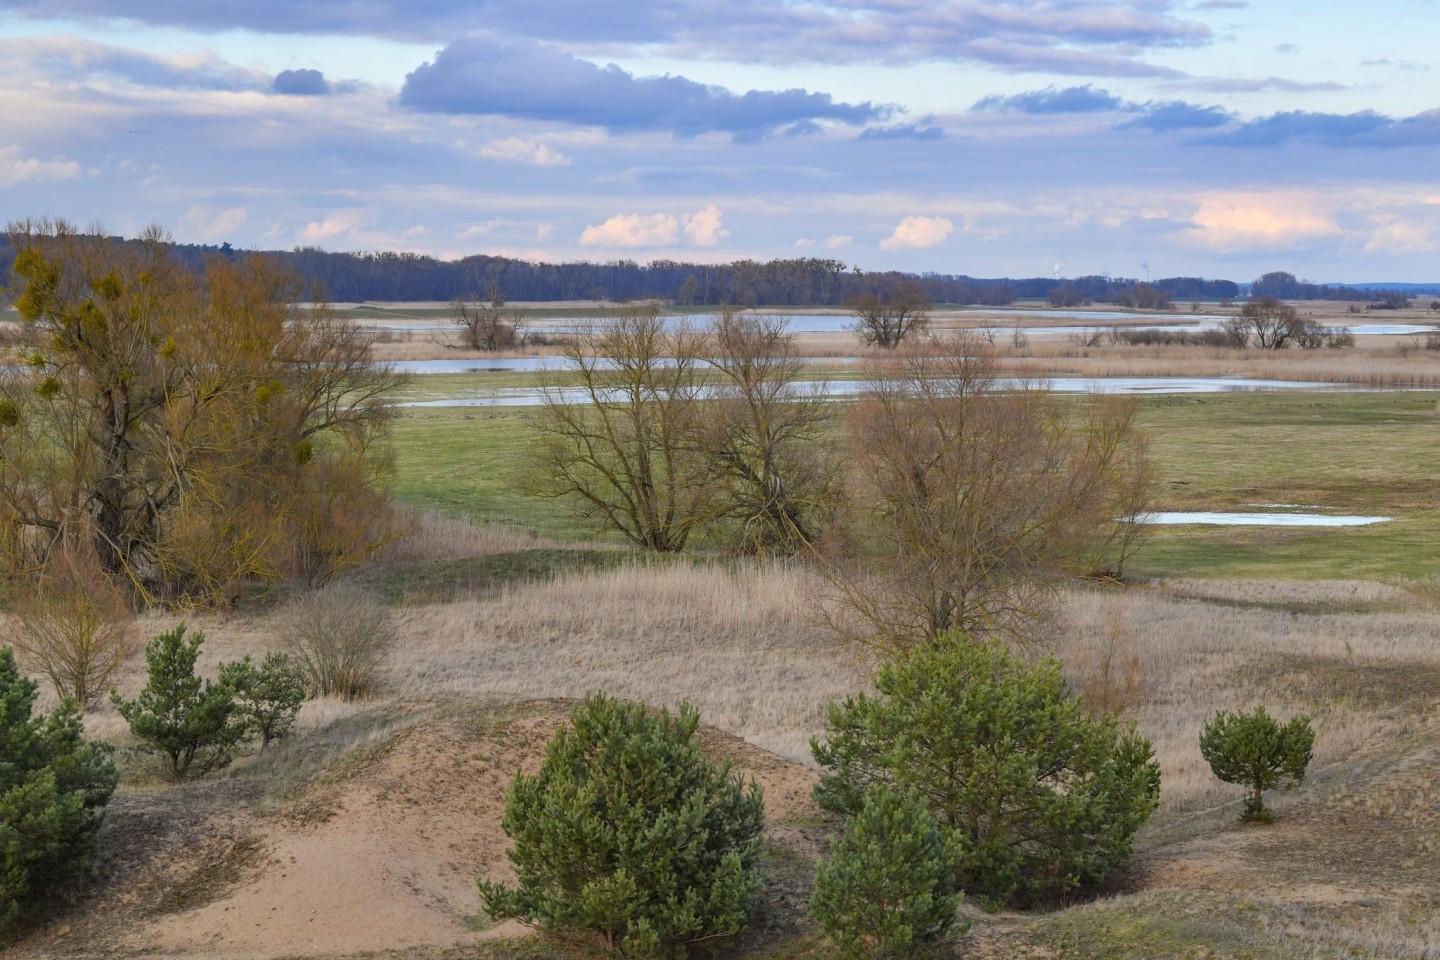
(533, 364)
(1263, 519)
(842, 389)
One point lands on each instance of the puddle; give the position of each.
(1263, 519)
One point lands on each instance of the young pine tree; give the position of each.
(628, 840)
(267, 697)
(888, 888)
(189, 721)
(53, 789)
(1254, 750)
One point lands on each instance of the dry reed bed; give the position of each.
(1378, 366)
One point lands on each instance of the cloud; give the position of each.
(1396, 236)
(208, 224)
(838, 241)
(1287, 48)
(1242, 221)
(917, 233)
(302, 83)
(534, 81)
(633, 230)
(705, 228)
(15, 168)
(63, 59)
(1178, 115)
(1084, 99)
(1263, 85)
(1151, 115)
(1363, 129)
(909, 131)
(1101, 39)
(523, 150)
(333, 226)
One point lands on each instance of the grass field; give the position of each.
(1366, 453)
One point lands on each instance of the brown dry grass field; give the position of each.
(361, 836)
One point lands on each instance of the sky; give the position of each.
(1135, 138)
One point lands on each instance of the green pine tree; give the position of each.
(53, 789)
(628, 840)
(268, 696)
(191, 722)
(888, 888)
(1254, 750)
(1033, 796)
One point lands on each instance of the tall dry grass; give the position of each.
(740, 645)
(1360, 674)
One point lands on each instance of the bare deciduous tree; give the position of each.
(1271, 323)
(621, 442)
(982, 492)
(764, 435)
(886, 320)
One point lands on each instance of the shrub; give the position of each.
(628, 840)
(1254, 750)
(53, 789)
(191, 722)
(340, 637)
(1033, 796)
(267, 697)
(74, 627)
(887, 889)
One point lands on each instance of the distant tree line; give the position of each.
(807, 281)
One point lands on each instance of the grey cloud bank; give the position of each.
(535, 81)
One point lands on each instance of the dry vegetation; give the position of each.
(365, 832)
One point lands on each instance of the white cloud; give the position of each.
(17, 169)
(917, 233)
(632, 230)
(1232, 222)
(480, 229)
(1398, 236)
(333, 225)
(705, 228)
(804, 242)
(837, 240)
(523, 150)
(208, 224)
(544, 232)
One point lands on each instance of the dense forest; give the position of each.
(389, 276)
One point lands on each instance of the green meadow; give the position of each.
(1361, 453)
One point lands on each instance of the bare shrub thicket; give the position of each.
(485, 324)
(885, 319)
(72, 625)
(981, 492)
(340, 637)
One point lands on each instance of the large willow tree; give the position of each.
(187, 432)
